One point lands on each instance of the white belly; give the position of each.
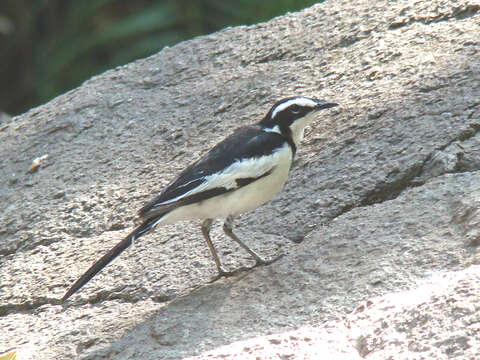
(244, 199)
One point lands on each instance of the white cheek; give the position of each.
(298, 128)
(300, 136)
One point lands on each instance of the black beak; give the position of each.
(325, 105)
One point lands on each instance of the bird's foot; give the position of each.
(258, 262)
(224, 273)
(261, 262)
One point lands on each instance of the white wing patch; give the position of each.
(300, 101)
(274, 129)
(242, 169)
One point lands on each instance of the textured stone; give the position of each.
(381, 206)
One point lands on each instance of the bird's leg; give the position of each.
(228, 229)
(206, 226)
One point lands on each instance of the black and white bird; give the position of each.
(239, 174)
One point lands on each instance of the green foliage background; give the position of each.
(50, 46)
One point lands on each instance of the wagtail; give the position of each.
(239, 174)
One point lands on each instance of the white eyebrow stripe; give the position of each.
(299, 101)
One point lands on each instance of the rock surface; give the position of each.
(379, 220)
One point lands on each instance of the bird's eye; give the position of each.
(295, 109)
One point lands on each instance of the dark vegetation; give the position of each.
(50, 46)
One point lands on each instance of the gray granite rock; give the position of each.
(379, 219)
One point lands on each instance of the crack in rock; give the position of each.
(27, 306)
(446, 159)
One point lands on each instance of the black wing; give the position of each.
(246, 142)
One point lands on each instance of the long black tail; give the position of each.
(111, 255)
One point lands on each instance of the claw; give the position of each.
(224, 273)
(258, 262)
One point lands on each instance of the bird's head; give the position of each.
(289, 116)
